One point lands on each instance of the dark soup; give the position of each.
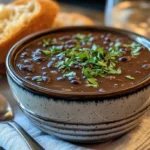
(84, 62)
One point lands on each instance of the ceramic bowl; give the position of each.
(72, 108)
(86, 133)
(83, 136)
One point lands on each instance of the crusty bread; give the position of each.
(24, 17)
(71, 19)
(21, 18)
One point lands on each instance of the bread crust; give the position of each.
(71, 19)
(43, 19)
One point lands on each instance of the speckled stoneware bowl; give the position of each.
(80, 117)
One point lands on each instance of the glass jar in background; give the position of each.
(133, 15)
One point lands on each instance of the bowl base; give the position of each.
(82, 136)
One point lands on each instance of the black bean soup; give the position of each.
(84, 62)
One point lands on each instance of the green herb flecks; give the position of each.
(55, 49)
(70, 74)
(135, 51)
(114, 71)
(46, 42)
(92, 82)
(47, 52)
(130, 77)
(52, 50)
(39, 79)
(1, 77)
(135, 48)
(82, 38)
(94, 61)
(117, 44)
(134, 45)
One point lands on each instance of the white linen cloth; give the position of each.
(137, 139)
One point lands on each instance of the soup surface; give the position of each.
(84, 62)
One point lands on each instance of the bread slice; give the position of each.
(22, 18)
(71, 19)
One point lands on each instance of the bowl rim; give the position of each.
(145, 82)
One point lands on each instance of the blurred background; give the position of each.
(94, 9)
(95, 4)
(133, 15)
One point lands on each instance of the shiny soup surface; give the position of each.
(84, 62)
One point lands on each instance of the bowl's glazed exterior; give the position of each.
(75, 116)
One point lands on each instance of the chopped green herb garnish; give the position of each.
(135, 45)
(39, 79)
(82, 38)
(70, 74)
(117, 44)
(47, 42)
(94, 61)
(92, 82)
(60, 64)
(79, 36)
(52, 50)
(130, 77)
(87, 72)
(135, 51)
(92, 85)
(135, 48)
(111, 44)
(46, 52)
(55, 49)
(1, 77)
(81, 55)
(113, 71)
(103, 64)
